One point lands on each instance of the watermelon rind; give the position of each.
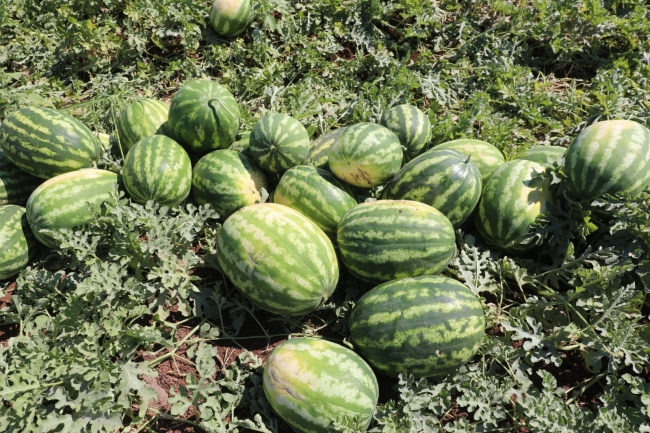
(15, 184)
(411, 126)
(312, 383)
(545, 155)
(278, 142)
(143, 118)
(18, 242)
(319, 149)
(484, 155)
(230, 17)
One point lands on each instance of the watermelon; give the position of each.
(278, 142)
(203, 116)
(228, 181)
(425, 326)
(385, 240)
(15, 184)
(143, 118)
(157, 168)
(68, 201)
(319, 149)
(545, 155)
(312, 383)
(18, 242)
(243, 142)
(315, 193)
(608, 157)
(45, 142)
(278, 258)
(230, 17)
(365, 155)
(445, 179)
(484, 155)
(510, 202)
(411, 126)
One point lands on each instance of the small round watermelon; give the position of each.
(278, 142)
(230, 17)
(425, 326)
(319, 149)
(545, 155)
(365, 155)
(228, 181)
(484, 155)
(204, 116)
(157, 168)
(18, 242)
(143, 118)
(411, 126)
(15, 184)
(312, 383)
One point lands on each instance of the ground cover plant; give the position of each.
(130, 325)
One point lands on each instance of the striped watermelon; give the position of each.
(278, 142)
(319, 149)
(311, 383)
(425, 326)
(484, 155)
(157, 168)
(611, 157)
(411, 126)
(278, 258)
(203, 116)
(18, 242)
(67, 201)
(228, 181)
(45, 142)
(510, 203)
(230, 17)
(315, 193)
(365, 155)
(143, 118)
(444, 179)
(15, 184)
(545, 155)
(385, 240)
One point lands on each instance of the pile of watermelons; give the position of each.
(290, 218)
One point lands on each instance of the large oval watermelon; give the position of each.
(278, 142)
(545, 155)
(510, 203)
(315, 193)
(278, 258)
(319, 149)
(483, 155)
(18, 242)
(157, 168)
(444, 179)
(611, 157)
(313, 383)
(143, 118)
(385, 240)
(203, 116)
(45, 142)
(424, 326)
(411, 126)
(365, 155)
(68, 201)
(228, 181)
(230, 17)
(15, 184)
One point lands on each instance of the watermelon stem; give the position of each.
(468, 158)
(222, 105)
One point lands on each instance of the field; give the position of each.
(131, 326)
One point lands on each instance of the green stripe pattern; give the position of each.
(545, 155)
(45, 142)
(278, 258)
(228, 181)
(18, 242)
(610, 157)
(204, 116)
(365, 155)
(68, 201)
(315, 193)
(278, 142)
(143, 118)
(425, 326)
(243, 142)
(484, 155)
(230, 17)
(319, 149)
(510, 203)
(389, 239)
(157, 168)
(15, 184)
(311, 383)
(444, 179)
(411, 126)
